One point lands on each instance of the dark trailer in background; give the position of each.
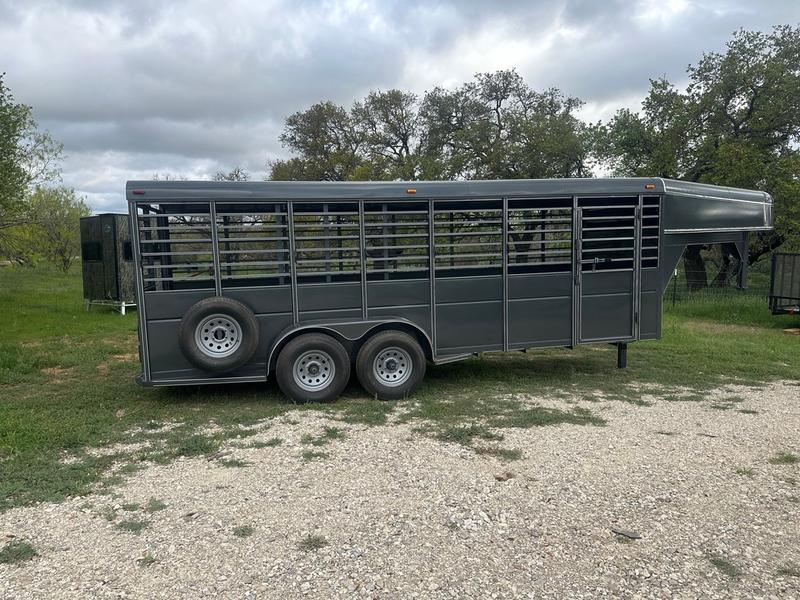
(107, 261)
(298, 278)
(784, 285)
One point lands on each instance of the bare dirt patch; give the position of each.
(57, 374)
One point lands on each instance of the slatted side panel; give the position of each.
(608, 229)
(396, 239)
(651, 228)
(468, 240)
(326, 237)
(540, 236)
(253, 244)
(176, 246)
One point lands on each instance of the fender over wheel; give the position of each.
(313, 367)
(218, 334)
(390, 365)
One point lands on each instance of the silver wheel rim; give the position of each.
(218, 336)
(313, 370)
(392, 366)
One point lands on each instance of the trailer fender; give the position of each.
(351, 333)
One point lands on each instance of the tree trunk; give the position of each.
(731, 263)
(695, 268)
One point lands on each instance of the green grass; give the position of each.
(326, 437)
(784, 458)
(270, 443)
(243, 531)
(154, 505)
(312, 543)
(309, 455)
(234, 463)
(17, 551)
(133, 526)
(725, 566)
(67, 381)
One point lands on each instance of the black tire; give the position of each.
(404, 351)
(320, 352)
(219, 317)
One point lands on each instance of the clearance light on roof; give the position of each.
(138, 192)
(411, 191)
(649, 186)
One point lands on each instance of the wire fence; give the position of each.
(696, 286)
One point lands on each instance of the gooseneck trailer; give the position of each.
(307, 280)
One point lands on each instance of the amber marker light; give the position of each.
(411, 191)
(649, 186)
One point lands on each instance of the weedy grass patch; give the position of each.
(17, 551)
(312, 543)
(243, 531)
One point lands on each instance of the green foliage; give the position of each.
(54, 230)
(735, 124)
(492, 127)
(27, 157)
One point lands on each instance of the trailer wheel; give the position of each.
(313, 367)
(218, 334)
(390, 365)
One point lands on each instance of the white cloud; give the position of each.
(135, 88)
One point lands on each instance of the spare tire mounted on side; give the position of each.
(218, 334)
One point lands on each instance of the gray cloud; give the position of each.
(134, 88)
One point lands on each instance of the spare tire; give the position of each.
(218, 334)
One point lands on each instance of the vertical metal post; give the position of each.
(744, 255)
(212, 211)
(432, 272)
(362, 253)
(504, 247)
(576, 272)
(292, 261)
(637, 267)
(144, 348)
(622, 355)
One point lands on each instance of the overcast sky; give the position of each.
(137, 87)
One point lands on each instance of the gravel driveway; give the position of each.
(391, 513)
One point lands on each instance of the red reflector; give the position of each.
(138, 192)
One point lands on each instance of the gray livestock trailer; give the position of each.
(238, 280)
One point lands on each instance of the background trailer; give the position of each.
(107, 261)
(237, 280)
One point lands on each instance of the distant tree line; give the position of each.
(37, 218)
(737, 123)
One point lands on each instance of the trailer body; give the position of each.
(463, 267)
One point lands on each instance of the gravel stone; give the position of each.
(406, 516)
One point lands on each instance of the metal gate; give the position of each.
(607, 269)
